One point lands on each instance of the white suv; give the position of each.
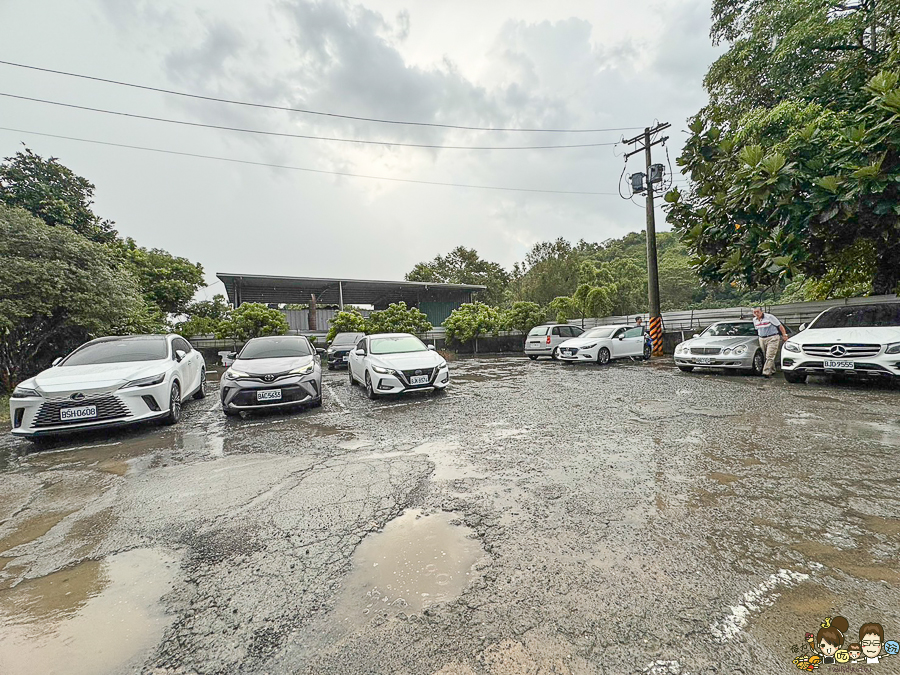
(860, 340)
(545, 340)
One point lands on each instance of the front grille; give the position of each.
(854, 351)
(705, 350)
(570, 350)
(417, 372)
(247, 397)
(108, 408)
(860, 369)
(271, 377)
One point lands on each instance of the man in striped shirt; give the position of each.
(768, 327)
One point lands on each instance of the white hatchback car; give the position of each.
(858, 340)
(604, 343)
(108, 382)
(544, 340)
(393, 363)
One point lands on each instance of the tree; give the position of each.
(57, 290)
(348, 321)
(471, 320)
(464, 266)
(523, 316)
(792, 189)
(550, 270)
(565, 308)
(204, 317)
(168, 282)
(251, 320)
(53, 193)
(398, 318)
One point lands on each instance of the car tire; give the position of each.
(532, 357)
(201, 390)
(230, 413)
(794, 378)
(648, 352)
(603, 356)
(758, 362)
(316, 402)
(174, 405)
(350, 374)
(686, 369)
(370, 392)
(330, 366)
(555, 354)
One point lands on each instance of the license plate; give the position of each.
(703, 361)
(840, 365)
(534, 343)
(418, 379)
(83, 413)
(269, 395)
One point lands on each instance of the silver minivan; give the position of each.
(544, 340)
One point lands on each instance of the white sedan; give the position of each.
(107, 382)
(392, 363)
(604, 343)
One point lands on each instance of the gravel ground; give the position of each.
(537, 517)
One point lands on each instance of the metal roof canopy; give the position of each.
(273, 289)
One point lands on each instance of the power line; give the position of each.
(308, 137)
(300, 168)
(306, 111)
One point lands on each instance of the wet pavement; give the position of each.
(537, 518)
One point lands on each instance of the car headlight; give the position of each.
(893, 348)
(24, 392)
(145, 381)
(443, 366)
(685, 350)
(330, 351)
(590, 346)
(303, 370)
(382, 371)
(793, 347)
(232, 374)
(740, 349)
(726, 351)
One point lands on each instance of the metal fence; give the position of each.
(792, 314)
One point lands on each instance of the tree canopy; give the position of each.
(464, 266)
(252, 320)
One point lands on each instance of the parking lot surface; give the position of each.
(538, 517)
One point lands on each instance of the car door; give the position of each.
(556, 336)
(617, 343)
(188, 368)
(634, 341)
(355, 364)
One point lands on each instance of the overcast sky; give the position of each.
(503, 63)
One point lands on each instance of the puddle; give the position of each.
(722, 478)
(31, 529)
(416, 561)
(93, 618)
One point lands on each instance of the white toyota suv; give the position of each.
(860, 340)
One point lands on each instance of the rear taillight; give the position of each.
(548, 339)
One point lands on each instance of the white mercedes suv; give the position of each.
(859, 340)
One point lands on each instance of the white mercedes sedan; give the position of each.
(393, 363)
(111, 381)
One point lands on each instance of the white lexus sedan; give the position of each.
(107, 382)
(604, 343)
(392, 363)
(857, 340)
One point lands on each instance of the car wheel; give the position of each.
(603, 356)
(648, 351)
(316, 403)
(555, 354)
(230, 413)
(174, 405)
(758, 362)
(350, 373)
(330, 366)
(370, 392)
(532, 357)
(686, 369)
(201, 392)
(794, 378)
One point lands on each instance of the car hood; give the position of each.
(270, 366)
(94, 377)
(581, 342)
(721, 342)
(409, 360)
(881, 335)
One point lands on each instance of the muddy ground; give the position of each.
(536, 518)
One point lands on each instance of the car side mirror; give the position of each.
(180, 354)
(359, 352)
(802, 326)
(320, 351)
(621, 337)
(431, 348)
(57, 360)
(696, 335)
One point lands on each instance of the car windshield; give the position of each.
(540, 330)
(119, 351)
(597, 333)
(860, 316)
(397, 345)
(727, 329)
(345, 339)
(275, 348)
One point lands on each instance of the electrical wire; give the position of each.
(306, 111)
(305, 169)
(304, 136)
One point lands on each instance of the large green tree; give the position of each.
(252, 320)
(398, 318)
(464, 266)
(52, 192)
(550, 270)
(204, 317)
(523, 316)
(169, 282)
(471, 320)
(57, 290)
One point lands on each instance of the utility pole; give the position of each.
(653, 175)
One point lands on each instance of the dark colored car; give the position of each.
(339, 350)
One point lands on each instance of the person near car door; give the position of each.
(768, 328)
(639, 323)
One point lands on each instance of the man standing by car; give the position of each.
(768, 328)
